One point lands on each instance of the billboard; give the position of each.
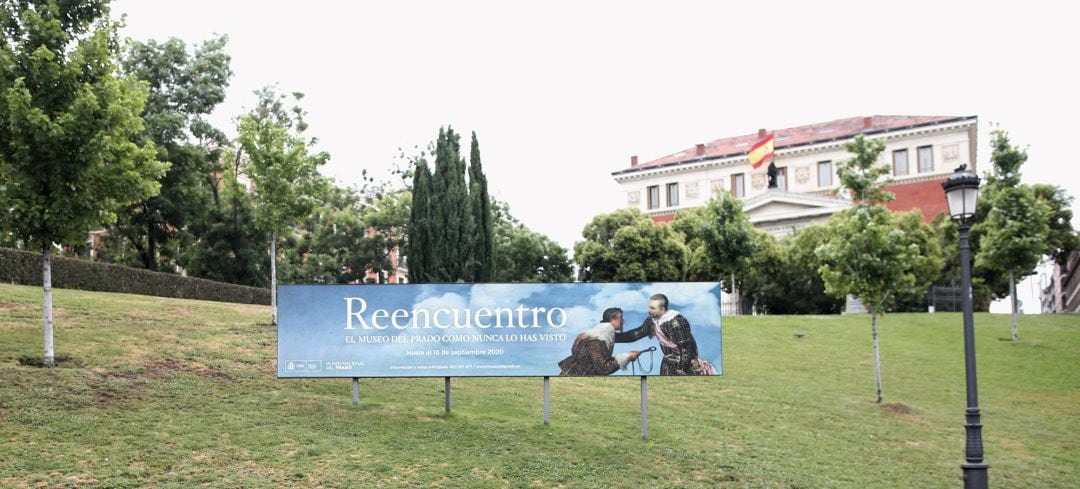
(499, 330)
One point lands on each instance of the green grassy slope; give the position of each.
(174, 393)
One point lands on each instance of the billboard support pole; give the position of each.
(644, 408)
(356, 391)
(547, 400)
(446, 388)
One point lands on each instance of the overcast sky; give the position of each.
(561, 94)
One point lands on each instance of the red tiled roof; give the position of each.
(794, 136)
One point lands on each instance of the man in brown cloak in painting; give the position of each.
(592, 350)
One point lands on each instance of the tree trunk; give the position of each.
(877, 357)
(1012, 300)
(273, 278)
(46, 268)
(151, 249)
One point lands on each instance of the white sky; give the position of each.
(561, 94)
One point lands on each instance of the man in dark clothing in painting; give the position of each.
(592, 350)
(677, 343)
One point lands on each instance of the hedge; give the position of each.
(24, 268)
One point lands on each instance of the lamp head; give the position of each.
(962, 194)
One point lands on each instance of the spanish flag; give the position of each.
(761, 151)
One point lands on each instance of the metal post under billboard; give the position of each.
(356, 391)
(446, 388)
(644, 408)
(547, 400)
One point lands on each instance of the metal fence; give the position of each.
(945, 298)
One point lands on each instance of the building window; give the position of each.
(824, 174)
(672, 194)
(781, 178)
(654, 197)
(738, 185)
(899, 162)
(926, 159)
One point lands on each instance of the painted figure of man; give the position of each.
(592, 350)
(677, 343)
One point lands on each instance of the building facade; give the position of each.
(922, 151)
(1059, 285)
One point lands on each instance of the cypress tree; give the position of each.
(420, 226)
(483, 232)
(450, 204)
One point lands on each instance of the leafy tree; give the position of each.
(868, 254)
(523, 255)
(728, 237)
(285, 175)
(385, 219)
(326, 247)
(758, 281)
(68, 120)
(1015, 232)
(626, 245)
(699, 265)
(863, 176)
(927, 268)
(802, 290)
(1061, 238)
(228, 245)
(596, 262)
(947, 235)
(183, 87)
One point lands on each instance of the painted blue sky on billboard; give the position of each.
(460, 330)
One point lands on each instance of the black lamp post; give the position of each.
(962, 193)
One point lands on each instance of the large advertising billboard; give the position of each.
(499, 330)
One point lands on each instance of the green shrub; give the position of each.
(24, 268)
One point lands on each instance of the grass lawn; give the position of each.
(174, 393)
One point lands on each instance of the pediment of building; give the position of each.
(777, 205)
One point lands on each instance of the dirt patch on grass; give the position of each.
(161, 367)
(12, 306)
(898, 408)
(62, 361)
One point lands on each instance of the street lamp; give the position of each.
(962, 194)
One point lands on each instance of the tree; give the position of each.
(68, 120)
(1061, 238)
(285, 175)
(927, 269)
(863, 176)
(420, 250)
(868, 254)
(183, 87)
(594, 256)
(327, 245)
(385, 218)
(758, 282)
(728, 237)
(483, 222)
(1014, 234)
(228, 245)
(626, 245)
(803, 291)
(523, 255)
(450, 228)
(452, 243)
